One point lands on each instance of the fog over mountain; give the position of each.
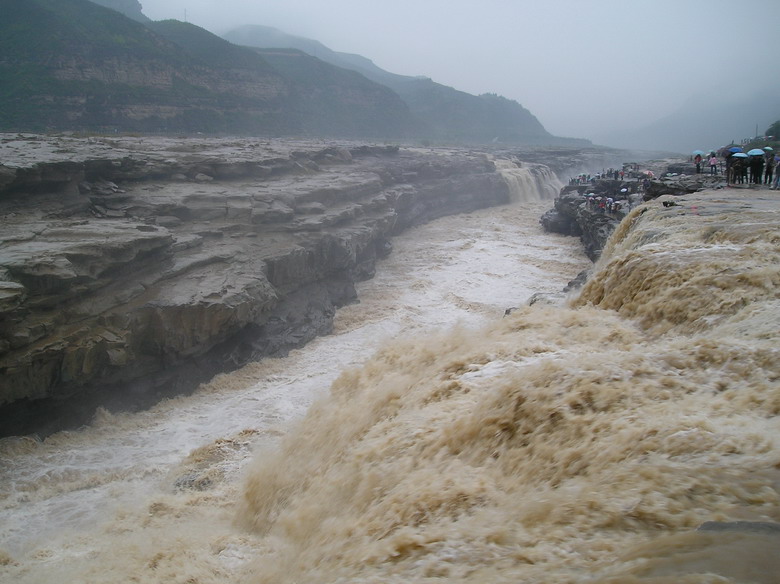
(583, 69)
(705, 121)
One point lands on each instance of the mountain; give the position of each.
(74, 65)
(443, 113)
(102, 66)
(328, 97)
(707, 121)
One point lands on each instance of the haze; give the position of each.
(585, 69)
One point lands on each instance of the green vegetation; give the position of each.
(773, 131)
(770, 138)
(331, 97)
(208, 48)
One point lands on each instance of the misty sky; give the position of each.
(582, 67)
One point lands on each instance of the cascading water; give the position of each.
(528, 181)
(579, 443)
(151, 495)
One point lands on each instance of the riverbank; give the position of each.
(134, 268)
(101, 502)
(577, 443)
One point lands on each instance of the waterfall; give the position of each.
(528, 181)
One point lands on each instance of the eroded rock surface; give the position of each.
(133, 268)
(572, 215)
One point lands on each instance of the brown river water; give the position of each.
(431, 438)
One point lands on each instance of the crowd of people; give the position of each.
(752, 168)
(610, 174)
(756, 167)
(603, 204)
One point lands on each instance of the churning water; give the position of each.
(432, 439)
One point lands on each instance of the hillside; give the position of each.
(130, 8)
(74, 65)
(443, 112)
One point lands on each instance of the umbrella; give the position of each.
(735, 149)
(740, 155)
(768, 148)
(756, 152)
(697, 152)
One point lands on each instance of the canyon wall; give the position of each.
(135, 268)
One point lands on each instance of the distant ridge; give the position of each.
(707, 121)
(442, 112)
(77, 65)
(74, 65)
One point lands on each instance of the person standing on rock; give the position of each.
(729, 167)
(756, 169)
(713, 164)
(777, 174)
(737, 170)
(697, 160)
(769, 167)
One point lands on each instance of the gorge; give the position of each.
(147, 265)
(625, 433)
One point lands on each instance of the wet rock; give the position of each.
(684, 184)
(741, 526)
(577, 282)
(556, 222)
(123, 283)
(572, 216)
(548, 298)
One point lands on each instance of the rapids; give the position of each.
(579, 444)
(152, 495)
(433, 439)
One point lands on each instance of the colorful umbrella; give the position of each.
(695, 152)
(756, 152)
(735, 149)
(739, 155)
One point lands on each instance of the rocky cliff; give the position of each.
(571, 215)
(76, 66)
(135, 268)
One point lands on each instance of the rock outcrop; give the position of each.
(676, 184)
(135, 268)
(572, 215)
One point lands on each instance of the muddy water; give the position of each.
(432, 439)
(152, 497)
(579, 444)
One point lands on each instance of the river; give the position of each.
(627, 435)
(152, 495)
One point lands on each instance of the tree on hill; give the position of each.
(773, 130)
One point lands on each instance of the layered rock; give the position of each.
(135, 268)
(572, 215)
